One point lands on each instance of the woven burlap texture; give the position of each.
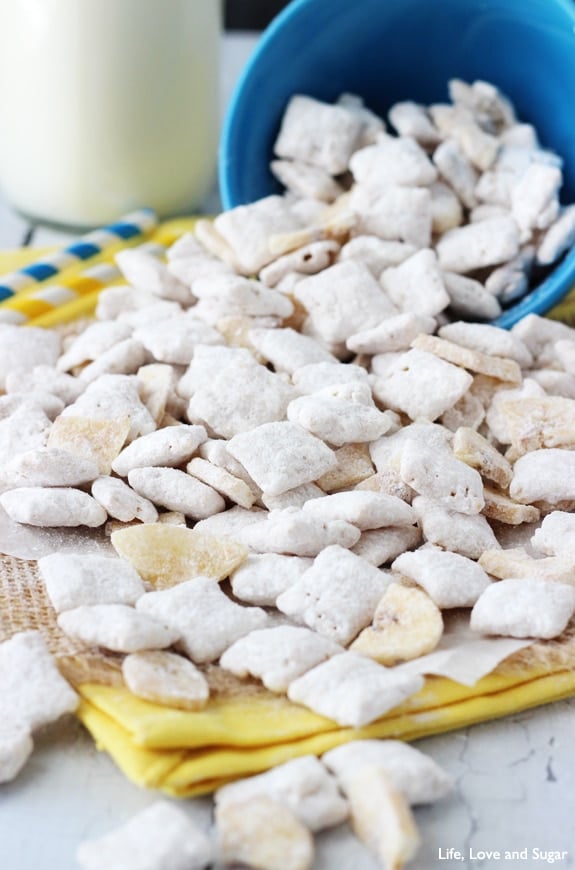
(24, 605)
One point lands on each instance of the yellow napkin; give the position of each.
(186, 754)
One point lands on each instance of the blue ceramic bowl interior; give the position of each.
(390, 50)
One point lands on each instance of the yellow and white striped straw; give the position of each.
(55, 297)
(93, 244)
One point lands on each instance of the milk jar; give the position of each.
(107, 105)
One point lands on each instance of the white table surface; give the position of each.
(515, 778)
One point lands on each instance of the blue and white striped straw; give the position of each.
(91, 245)
(43, 300)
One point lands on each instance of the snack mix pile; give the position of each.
(303, 455)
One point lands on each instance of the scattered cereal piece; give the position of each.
(421, 385)
(400, 214)
(278, 655)
(40, 400)
(147, 273)
(174, 339)
(411, 119)
(375, 253)
(50, 507)
(337, 596)
(176, 491)
(30, 683)
(306, 180)
(297, 496)
(524, 608)
(352, 690)
(124, 358)
(457, 171)
(381, 546)
(240, 397)
(280, 456)
(339, 419)
(121, 502)
(113, 397)
(535, 190)
(439, 475)
(450, 579)
(164, 447)
(319, 376)
(42, 378)
(165, 678)
(73, 580)
(467, 535)
(543, 475)
(540, 334)
(231, 523)
(15, 749)
(21, 350)
(366, 510)
(26, 428)
(206, 621)
(392, 161)
(232, 295)
(161, 837)
(556, 535)
(446, 210)
(342, 300)
(287, 349)
(263, 577)
(260, 832)
(417, 284)
(469, 298)
(116, 627)
(166, 555)
(298, 533)
(248, 229)
(392, 334)
(95, 340)
(222, 481)
(416, 776)
(406, 624)
(48, 467)
(308, 260)
(487, 243)
(318, 133)
(558, 238)
(303, 785)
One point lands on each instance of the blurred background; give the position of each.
(251, 14)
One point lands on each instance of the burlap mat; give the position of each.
(24, 605)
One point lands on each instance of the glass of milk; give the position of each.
(107, 106)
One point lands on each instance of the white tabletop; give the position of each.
(515, 778)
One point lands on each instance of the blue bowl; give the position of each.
(390, 50)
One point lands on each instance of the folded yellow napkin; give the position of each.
(186, 754)
(243, 732)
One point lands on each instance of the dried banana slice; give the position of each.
(406, 624)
